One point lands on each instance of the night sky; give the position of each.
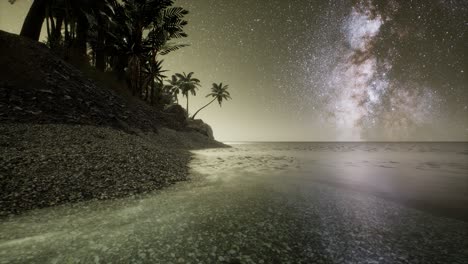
(304, 70)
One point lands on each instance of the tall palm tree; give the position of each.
(152, 80)
(71, 11)
(32, 24)
(172, 88)
(218, 92)
(188, 85)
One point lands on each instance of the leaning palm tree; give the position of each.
(218, 92)
(32, 24)
(188, 85)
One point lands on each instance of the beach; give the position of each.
(268, 203)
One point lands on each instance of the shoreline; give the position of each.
(71, 134)
(48, 165)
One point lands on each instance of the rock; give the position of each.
(201, 127)
(46, 91)
(175, 116)
(34, 112)
(178, 111)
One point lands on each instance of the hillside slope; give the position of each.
(38, 87)
(63, 139)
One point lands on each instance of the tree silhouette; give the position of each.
(218, 92)
(187, 85)
(32, 25)
(172, 88)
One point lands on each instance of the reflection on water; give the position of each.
(429, 176)
(271, 203)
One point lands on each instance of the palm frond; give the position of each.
(171, 47)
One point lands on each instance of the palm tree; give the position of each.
(71, 12)
(172, 88)
(152, 80)
(126, 36)
(188, 85)
(218, 92)
(32, 25)
(130, 47)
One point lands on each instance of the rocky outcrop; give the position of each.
(201, 127)
(177, 112)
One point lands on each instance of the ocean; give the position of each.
(295, 202)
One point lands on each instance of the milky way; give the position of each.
(357, 80)
(363, 101)
(324, 69)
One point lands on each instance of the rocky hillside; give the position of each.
(38, 87)
(65, 139)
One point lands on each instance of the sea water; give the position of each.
(271, 203)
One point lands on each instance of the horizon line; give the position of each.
(360, 141)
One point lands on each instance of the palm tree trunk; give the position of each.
(47, 19)
(193, 117)
(100, 52)
(32, 25)
(100, 49)
(121, 62)
(81, 27)
(152, 93)
(55, 30)
(80, 46)
(187, 105)
(67, 33)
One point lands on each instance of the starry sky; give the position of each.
(317, 70)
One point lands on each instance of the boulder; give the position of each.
(177, 111)
(201, 127)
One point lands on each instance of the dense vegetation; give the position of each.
(124, 38)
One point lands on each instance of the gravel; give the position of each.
(48, 165)
(239, 207)
(66, 138)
